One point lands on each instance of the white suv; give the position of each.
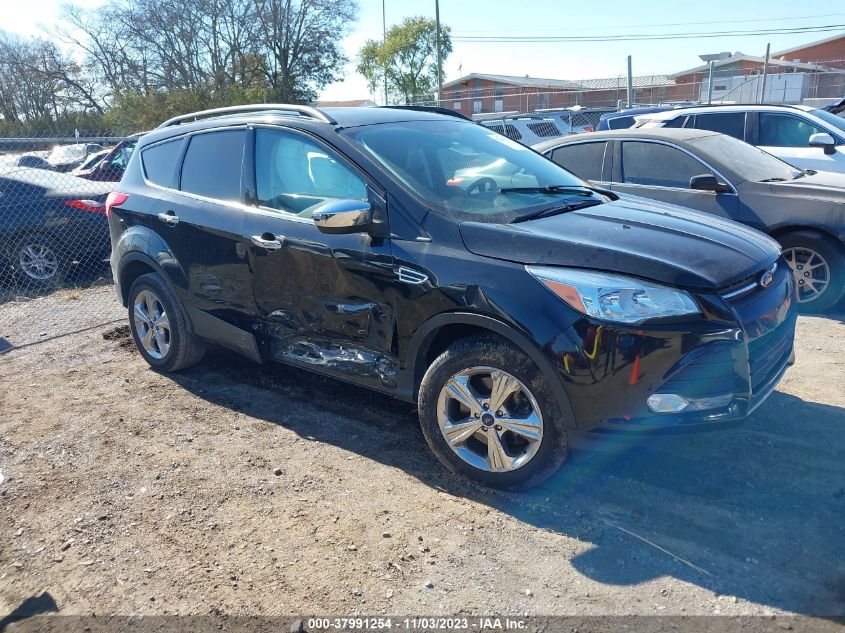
(805, 137)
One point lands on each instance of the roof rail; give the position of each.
(434, 109)
(298, 110)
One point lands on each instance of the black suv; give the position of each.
(419, 254)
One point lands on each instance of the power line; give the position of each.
(652, 25)
(645, 37)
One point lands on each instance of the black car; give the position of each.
(47, 221)
(804, 210)
(344, 241)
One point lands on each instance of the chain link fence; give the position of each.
(530, 110)
(54, 239)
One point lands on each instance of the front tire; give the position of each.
(160, 327)
(818, 265)
(489, 414)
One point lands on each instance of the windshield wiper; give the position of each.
(564, 189)
(555, 210)
(775, 179)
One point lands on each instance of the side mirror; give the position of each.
(824, 140)
(344, 216)
(707, 182)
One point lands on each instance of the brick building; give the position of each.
(480, 93)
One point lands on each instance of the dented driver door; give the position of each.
(322, 298)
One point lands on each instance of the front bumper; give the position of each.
(727, 362)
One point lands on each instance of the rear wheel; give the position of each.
(818, 265)
(37, 260)
(488, 413)
(159, 326)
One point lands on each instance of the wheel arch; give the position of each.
(141, 250)
(804, 228)
(433, 336)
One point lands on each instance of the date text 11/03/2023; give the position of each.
(479, 623)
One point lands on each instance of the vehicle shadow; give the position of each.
(32, 606)
(754, 511)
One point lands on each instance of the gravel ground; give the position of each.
(235, 488)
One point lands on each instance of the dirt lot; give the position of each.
(240, 489)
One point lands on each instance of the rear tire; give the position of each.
(160, 327)
(505, 426)
(38, 262)
(818, 264)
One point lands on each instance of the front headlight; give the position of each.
(613, 297)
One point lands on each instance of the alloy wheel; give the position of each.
(811, 272)
(152, 324)
(38, 261)
(490, 419)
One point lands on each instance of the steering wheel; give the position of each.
(483, 187)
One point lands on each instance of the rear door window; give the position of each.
(582, 159)
(730, 123)
(212, 165)
(159, 162)
(658, 165)
(782, 130)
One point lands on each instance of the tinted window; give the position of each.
(507, 129)
(658, 165)
(781, 130)
(583, 159)
(294, 174)
(679, 121)
(160, 162)
(545, 128)
(212, 165)
(620, 122)
(730, 123)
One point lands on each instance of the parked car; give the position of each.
(625, 118)
(111, 164)
(528, 129)
(67, 157)
(47, 221)
(716, 173)
(13, 163)
(805, 137)
(90, 163)
(515, 316)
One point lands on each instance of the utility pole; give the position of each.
(710, 82)
(765, 72)
(437, 41)
(630, 84)
(384, 41)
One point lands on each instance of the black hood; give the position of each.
(647, 239)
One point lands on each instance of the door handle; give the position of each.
(267, 241)
(169, 218)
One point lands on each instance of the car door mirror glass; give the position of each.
(343, 216)
(823, 139)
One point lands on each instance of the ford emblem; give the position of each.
(766, 278)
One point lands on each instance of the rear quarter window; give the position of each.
(159, 162)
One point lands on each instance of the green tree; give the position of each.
(408, 58)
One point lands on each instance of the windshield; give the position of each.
(467, 171)
(748, 162)
(831, 119)
(68, 152)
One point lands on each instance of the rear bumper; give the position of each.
(720, 367)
